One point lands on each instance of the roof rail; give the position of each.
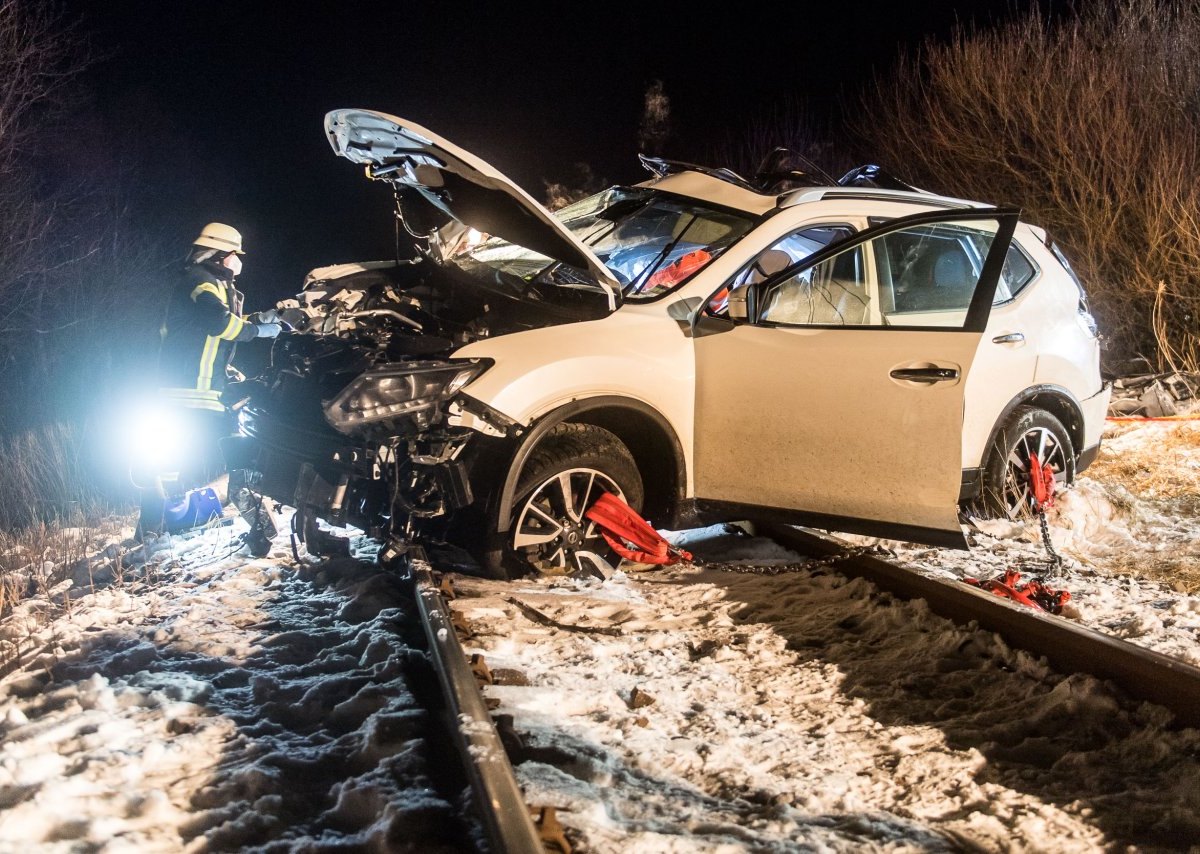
(816, 194)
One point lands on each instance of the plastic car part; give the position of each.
(870, 175)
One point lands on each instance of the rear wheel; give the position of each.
(563, 477)
(1028, 432)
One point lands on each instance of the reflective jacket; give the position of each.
(202, 323)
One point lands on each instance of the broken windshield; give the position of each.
(650, 241)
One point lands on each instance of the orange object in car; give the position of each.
(678, 270)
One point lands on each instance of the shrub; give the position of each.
(1092, 124)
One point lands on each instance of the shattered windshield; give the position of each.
(650, 241)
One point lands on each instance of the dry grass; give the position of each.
(46, 477)
(42, 567)
(1163, 474)
(1166, 470)
(1180, 574)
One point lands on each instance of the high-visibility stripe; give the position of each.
(211, 405)
(209, 288)
(196, 394)
(191, 398)
(207, 359)
(232, 328)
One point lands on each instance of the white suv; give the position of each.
(844, 356)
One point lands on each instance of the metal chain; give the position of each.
(1055, 562)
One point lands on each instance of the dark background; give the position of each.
(220, 104)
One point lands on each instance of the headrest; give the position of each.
(951, 269)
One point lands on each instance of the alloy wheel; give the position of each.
(551, 531)
(1039, 441)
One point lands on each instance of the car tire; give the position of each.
(1005, 491)
(547, 534)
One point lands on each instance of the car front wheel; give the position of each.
(563, 477)
(1028, 432)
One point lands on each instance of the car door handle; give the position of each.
(925, 375)
(1010, 338)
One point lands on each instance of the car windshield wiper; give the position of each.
(636, 284)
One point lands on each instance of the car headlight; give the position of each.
(411, 390)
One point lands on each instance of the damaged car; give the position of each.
(854, 355)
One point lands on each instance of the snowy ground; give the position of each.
(222, 703)
(1129, 533)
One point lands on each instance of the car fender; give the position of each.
(1056, 400)
(638, 355)
(601, 410)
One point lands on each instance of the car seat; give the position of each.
(953, 279)
(840, 299)
(936, 281)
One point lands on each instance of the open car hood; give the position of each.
(459, 184)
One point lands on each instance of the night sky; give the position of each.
(233, 93)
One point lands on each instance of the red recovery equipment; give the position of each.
(1032, 593)
(629, 535)
(1041, 483)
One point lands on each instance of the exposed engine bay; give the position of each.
(409, 308)
(354, 421)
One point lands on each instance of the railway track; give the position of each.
(1141, 674)
(503, 812)
(1071, 648)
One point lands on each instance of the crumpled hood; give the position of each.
(460, 184)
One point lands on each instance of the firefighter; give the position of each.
(200, 329)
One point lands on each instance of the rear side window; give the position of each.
(1018, 271)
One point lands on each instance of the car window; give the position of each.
(652, 242)
(1018, 270)
(790, 250)
(922, 276)
(833, 293)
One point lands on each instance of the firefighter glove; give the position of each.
(267, 330)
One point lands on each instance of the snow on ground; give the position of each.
(803, 711)
(1129, 532)
(693, 710)
(224, 704)
(218, 702)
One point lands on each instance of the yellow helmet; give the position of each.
(217, 235)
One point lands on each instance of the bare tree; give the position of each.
(38, 53)
(1093, 125)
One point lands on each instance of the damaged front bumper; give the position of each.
(389, 486)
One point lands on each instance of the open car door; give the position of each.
(835, 399)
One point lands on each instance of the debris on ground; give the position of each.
(1155, 395)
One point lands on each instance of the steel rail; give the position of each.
(1140, 672)
(509, 827)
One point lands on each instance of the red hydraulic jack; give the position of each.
(629, 535)
(1033, 593)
